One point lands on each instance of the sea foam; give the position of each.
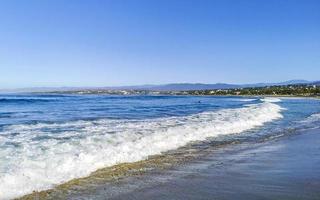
(39, 156)
(312, 118)
(270, 99)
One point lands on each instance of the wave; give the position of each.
(24, 100)
(312, 118)
(43, 155)
(271, 99)
(247, 100)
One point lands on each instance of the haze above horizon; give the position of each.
(121, 42)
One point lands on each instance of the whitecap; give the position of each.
(271, 99)
(81, 147)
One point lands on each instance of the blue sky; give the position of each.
(108, 43)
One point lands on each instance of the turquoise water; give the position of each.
(49, 139)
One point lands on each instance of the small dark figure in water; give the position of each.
(199, 101)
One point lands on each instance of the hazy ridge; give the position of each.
(164, 87)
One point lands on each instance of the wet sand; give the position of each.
(283, 168)
(287, 168)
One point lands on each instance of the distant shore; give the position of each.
(174, 94)
(274, 91)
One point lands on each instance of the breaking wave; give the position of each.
(271, 99)
(312, 118)
(40, 156)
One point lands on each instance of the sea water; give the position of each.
(47, 140)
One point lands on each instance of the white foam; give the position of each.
(44, 159)
(247, 100)
(271, 99)
(312, 118)
(241, 99)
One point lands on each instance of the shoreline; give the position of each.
(193, 95)
(162, 163)
(202, 95)
(153, 164)
(230, 171)
(112, 174)
(285, 168)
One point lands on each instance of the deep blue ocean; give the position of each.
(17, 109)
(48, 139)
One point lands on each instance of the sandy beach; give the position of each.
(285, 168)
(160, 100)
(232, 148)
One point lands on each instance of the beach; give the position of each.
(139, 147)
(281, 168)
(284, 168)
(160, 100)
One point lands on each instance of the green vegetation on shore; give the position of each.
(291, 90)
(302, 90)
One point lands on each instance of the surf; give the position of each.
(39, 156)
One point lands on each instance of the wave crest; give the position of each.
(271, 99)
(48, 154)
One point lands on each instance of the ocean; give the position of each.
(49, 139)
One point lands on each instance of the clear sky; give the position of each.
(108, 43)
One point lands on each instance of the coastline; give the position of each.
(113, 174)
(194, 95)
(285, 168)
(158, 164)
(96, 185)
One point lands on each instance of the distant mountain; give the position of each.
(293, 82)
(202, 86)
(316, 83)
(290, 82)
(191, 86)
(165, 87)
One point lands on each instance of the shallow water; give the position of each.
(47, 140)
(283, 169)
